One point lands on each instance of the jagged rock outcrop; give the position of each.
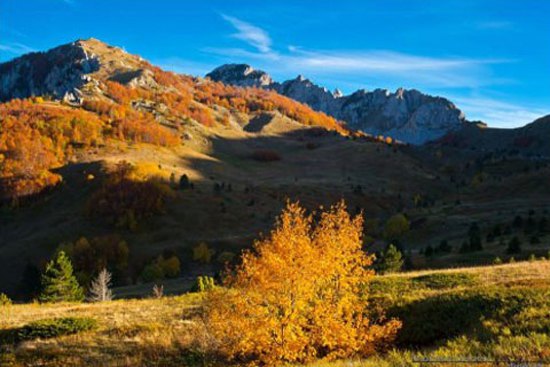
(60, 72)
(71, 71)
(406, 115)
(240, 75)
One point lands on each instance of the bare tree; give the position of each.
(100, 290)
(158, 291)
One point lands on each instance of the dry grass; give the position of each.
(130, 333)
(167, 331)
(514, 273)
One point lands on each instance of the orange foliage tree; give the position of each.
(124, 201)
(300, 295)
(35, 138)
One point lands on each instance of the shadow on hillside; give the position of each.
(434, 320)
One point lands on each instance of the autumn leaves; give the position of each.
(300, 295)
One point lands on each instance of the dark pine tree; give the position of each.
(59, 283)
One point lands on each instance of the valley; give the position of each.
(179, 186)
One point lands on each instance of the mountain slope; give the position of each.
(530, 140)
(406, 115)
(117, 96)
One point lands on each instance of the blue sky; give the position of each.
(492, 58)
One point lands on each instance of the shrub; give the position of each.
(171, 266)
(391, 261)
(145, 130)
(4, 300)
(266, 156)
(152, 272)
(396, 226)
(205, 283)
(47, 328)
(51, 328)
(161, 268)
(202, 253)
(299, 295)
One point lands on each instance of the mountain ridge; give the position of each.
(406, 115)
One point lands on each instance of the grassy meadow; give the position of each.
(495, 314)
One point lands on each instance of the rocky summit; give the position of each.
(406, 115)
(70, 71)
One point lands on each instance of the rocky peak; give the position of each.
(241, 75)
(407, 115)
(66, 72)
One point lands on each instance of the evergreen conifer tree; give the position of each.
(392, 260)
(59, 283)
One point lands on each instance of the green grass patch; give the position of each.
(446, 280)
(46, 329)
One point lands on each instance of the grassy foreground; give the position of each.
(497, 313)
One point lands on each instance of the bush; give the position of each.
(205, 283)
(152, 272)
(297, 297)
(47, 328)
(266, 156)
(51, 328)
(396, 226)
(202, 253)
(161, 268)
(170, 266)
(391, 261)
(4, 300)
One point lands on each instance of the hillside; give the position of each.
(499, 312)
(527, 141)
(106, 149)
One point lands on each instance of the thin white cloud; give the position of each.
(412, 69)
(375, 68)
(498, 113)
(387, 61)
(450, 72)
(15, 48)
(251, 34)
